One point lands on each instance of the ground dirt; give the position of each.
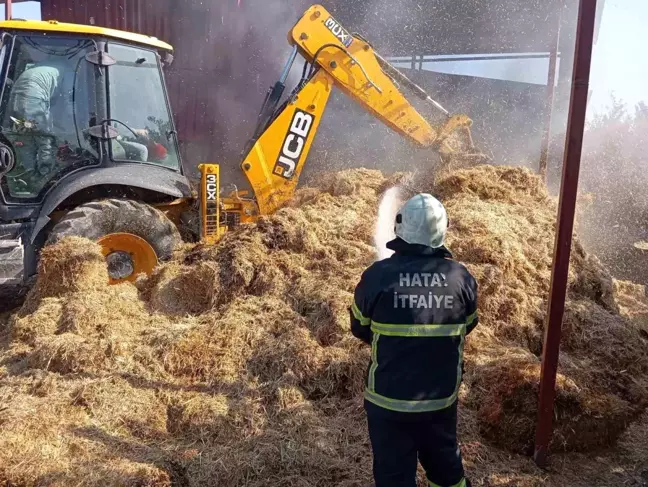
(235, 366)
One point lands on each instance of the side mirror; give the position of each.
(7, 160)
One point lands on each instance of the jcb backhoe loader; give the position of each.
(88, 145)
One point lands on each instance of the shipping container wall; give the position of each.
(151, 17)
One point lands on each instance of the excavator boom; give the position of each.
(356, 70)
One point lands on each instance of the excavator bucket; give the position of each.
(455, 144)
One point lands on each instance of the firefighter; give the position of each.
(415, 310)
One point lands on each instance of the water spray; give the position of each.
(384, 231)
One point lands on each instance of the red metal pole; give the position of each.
(551, 93)
(8, 14)
(565, 227)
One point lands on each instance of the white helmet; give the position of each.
(422, 220)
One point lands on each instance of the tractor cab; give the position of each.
(74, 97)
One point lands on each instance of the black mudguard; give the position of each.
(143, 176)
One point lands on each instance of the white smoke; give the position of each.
(384, 231)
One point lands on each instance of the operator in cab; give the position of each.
(33, 95)
(415, 310)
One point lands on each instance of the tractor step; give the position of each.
(12, 255)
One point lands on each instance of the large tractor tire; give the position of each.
(134, 236)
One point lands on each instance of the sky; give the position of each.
(620, 63)
(619, 66)
(26, 10)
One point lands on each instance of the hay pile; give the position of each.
(235, 365)
(503, 230)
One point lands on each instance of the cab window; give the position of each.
(48, 103)
(139, 110)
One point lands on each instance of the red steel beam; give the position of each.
(565, 227)
(8, 13)
(551, 94)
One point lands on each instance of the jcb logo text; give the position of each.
(293, 144)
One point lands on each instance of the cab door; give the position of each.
(48, 103)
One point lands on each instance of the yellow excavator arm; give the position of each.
(357, 70)
(276, 154)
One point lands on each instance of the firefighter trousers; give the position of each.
(398, 444)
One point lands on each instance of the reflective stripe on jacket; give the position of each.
(414, 309)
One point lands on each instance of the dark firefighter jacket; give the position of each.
(414, 309)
